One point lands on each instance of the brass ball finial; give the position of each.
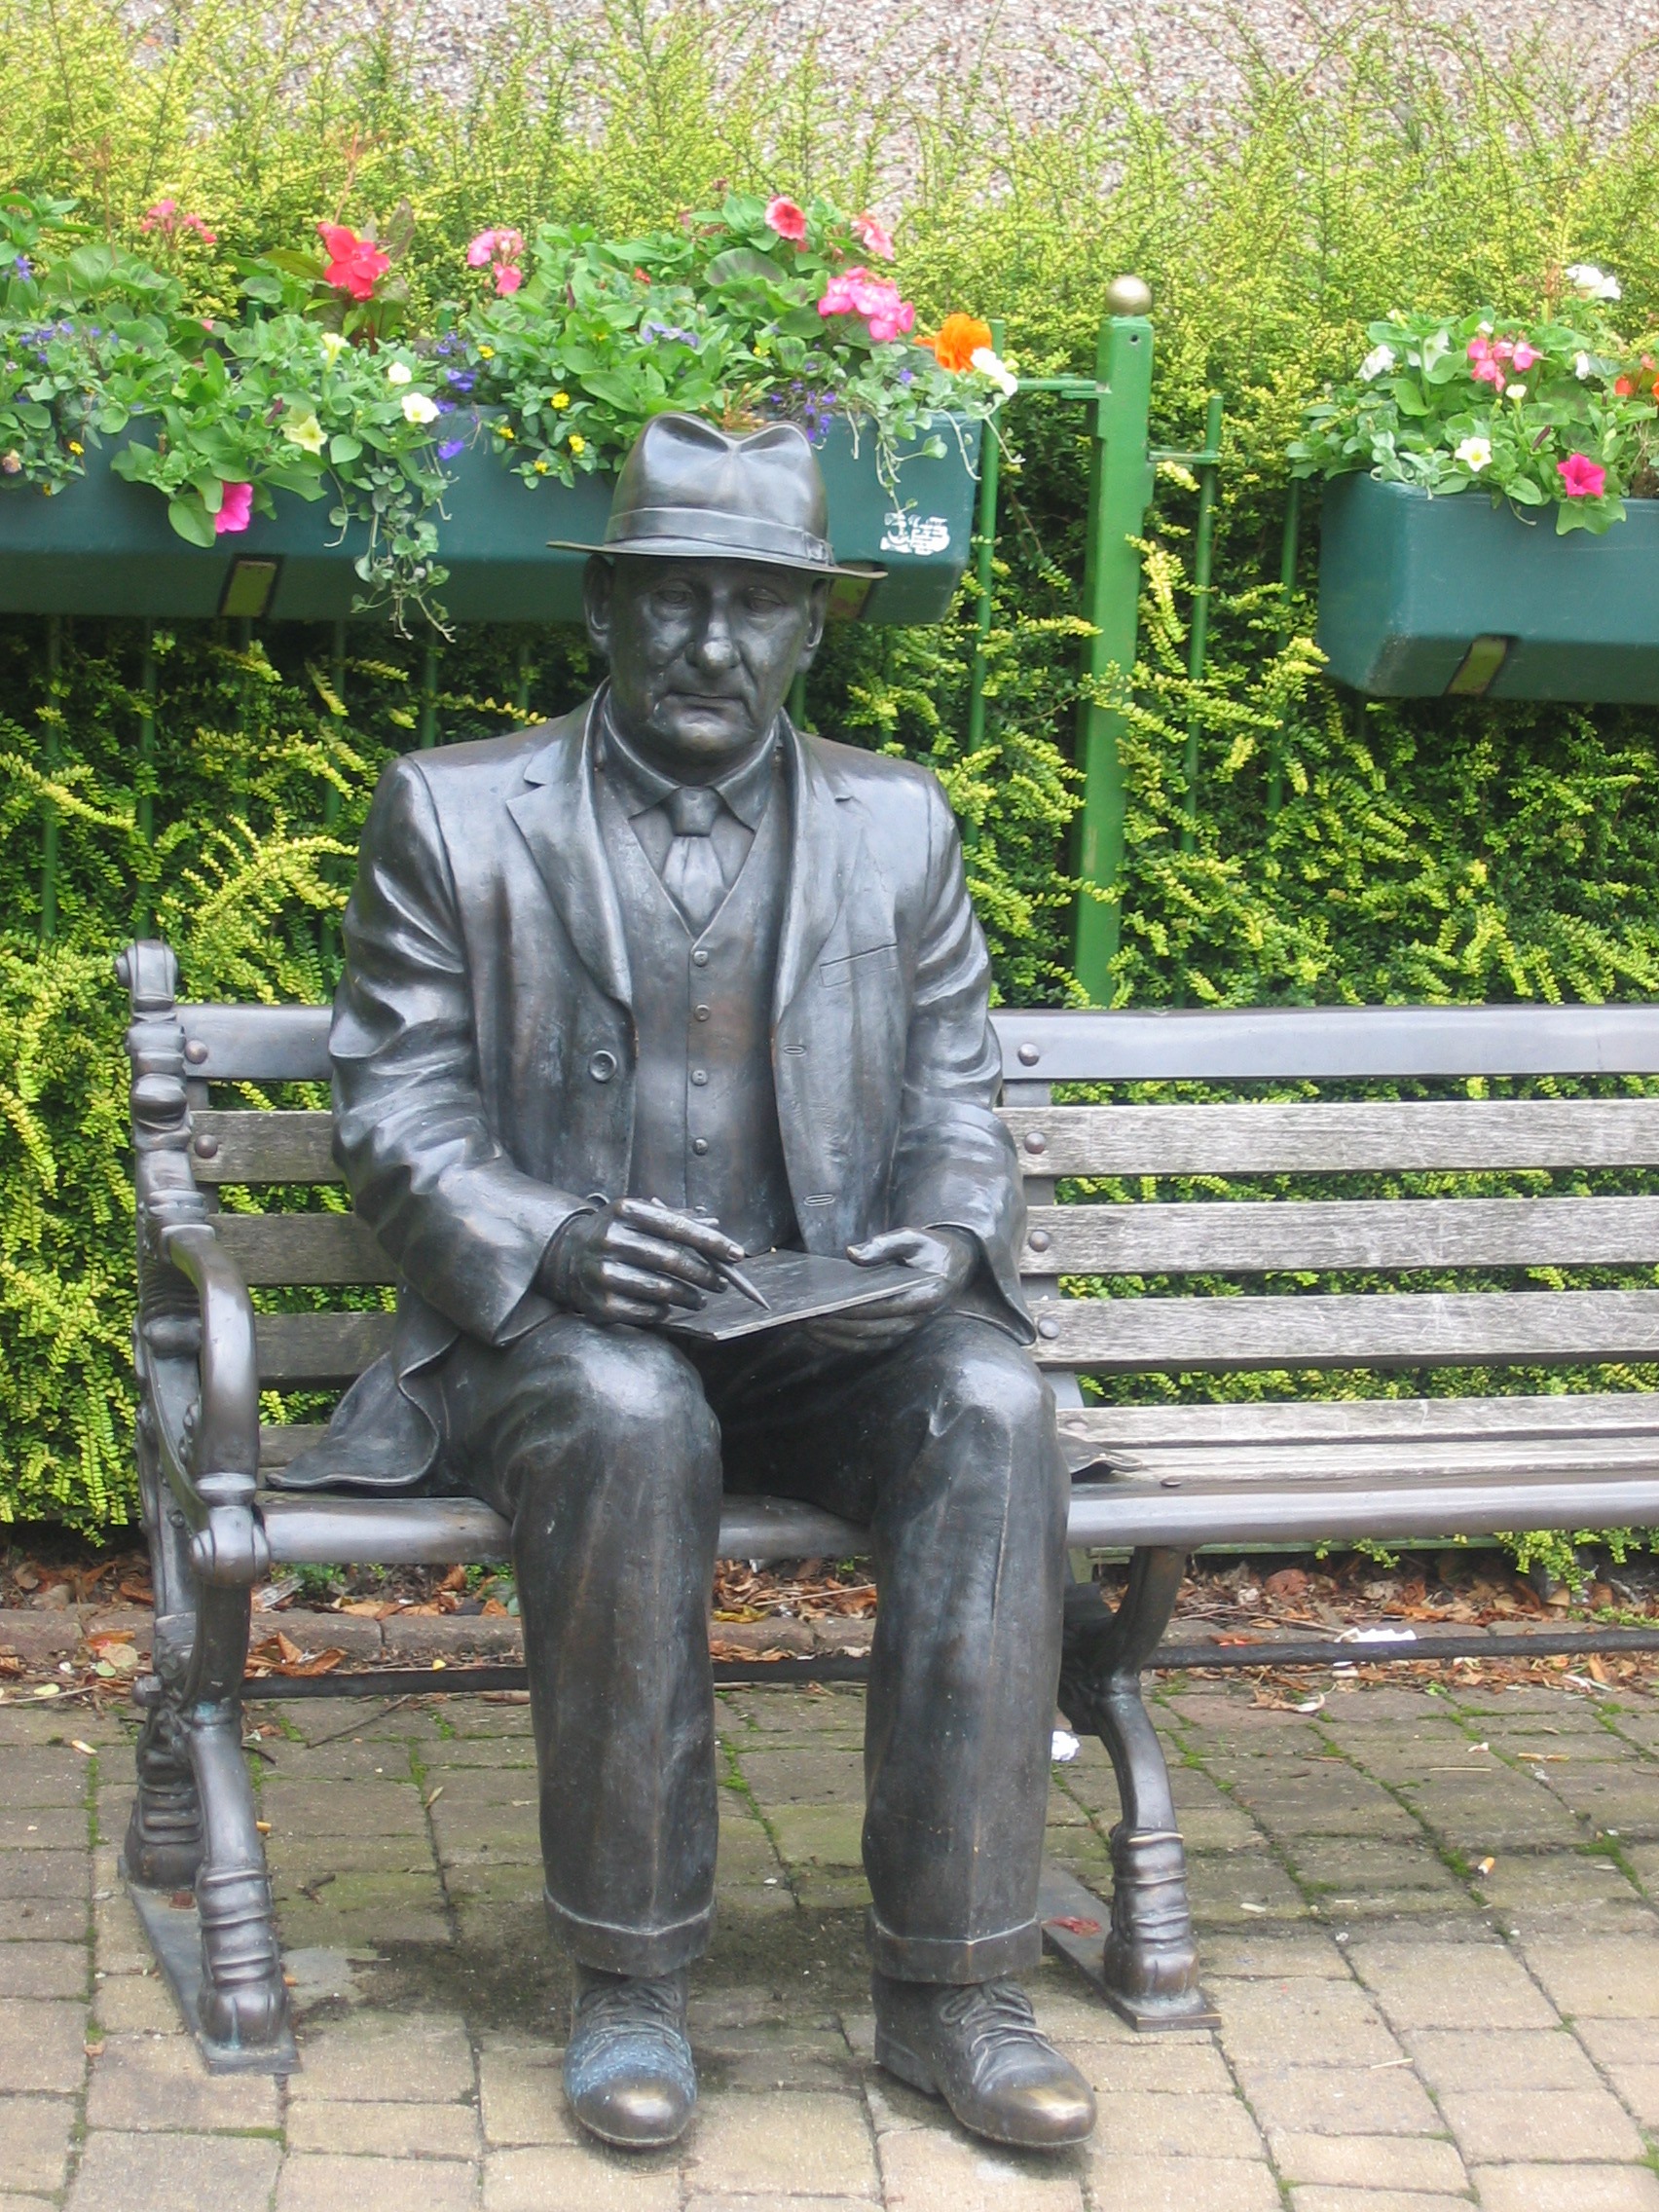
(1128, 295)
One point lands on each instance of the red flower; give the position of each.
(1624, 385)
(354, 263)
(788, 220)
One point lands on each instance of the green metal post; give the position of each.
(984, 567)
(428, 725)
(146, 807)
(1120, 491)
(1198, 643)
(1287, 592)
(797, 699)
(54, 757)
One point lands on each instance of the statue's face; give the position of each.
(702, 652)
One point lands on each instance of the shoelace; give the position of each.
(996, 2015)
(626, 2008)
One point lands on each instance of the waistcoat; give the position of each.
(706, 1135)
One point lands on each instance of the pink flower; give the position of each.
(1487, 371)
(1525, 355)
(160, 217)
(236, 509)
(873, 235)
(1581, 478)
(857, 293)
(502, 248)
(508, 278)
(354, 263)
(164, 217)
(786, 219)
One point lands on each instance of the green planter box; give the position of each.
(1420, 597)
(104, 546)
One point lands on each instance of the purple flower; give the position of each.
(907, 376)
(460, 380)
(668, 330)
(448, 448)
(25, 266)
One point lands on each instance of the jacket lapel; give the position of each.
(557, 821)
(823, 867)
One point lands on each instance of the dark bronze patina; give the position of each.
(628, 996)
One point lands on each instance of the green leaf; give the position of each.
(741, 264)
(341, 449)
(191, 521)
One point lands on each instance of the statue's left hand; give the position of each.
(941, 1262)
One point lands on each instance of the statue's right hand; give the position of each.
(633, 1261)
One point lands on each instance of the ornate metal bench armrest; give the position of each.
(229, 1548)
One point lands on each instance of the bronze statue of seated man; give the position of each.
(626, 997)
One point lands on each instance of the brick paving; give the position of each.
(1406, 2028)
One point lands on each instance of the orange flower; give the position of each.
(957, 340)
(1624, 385)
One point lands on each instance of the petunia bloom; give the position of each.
(1593, 283)
(991, 366)
(1475, 453)
(1581, 478)
(873, 235)
(1377, 363)
(236, 509)
(418, 408)
(398, 372)
(305, 433)
(355, 264)
(788, 220)
(333, 346)
(958, 338)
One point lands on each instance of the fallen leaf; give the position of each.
(1075, 1926)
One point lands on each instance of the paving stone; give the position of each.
(938, 2169)
(380, 2057)
(1338, 2100)
(1406, 2164)
(552, 2175)
(119, 1942)
(519, 2092)
(48, 1776)
(1316, 2022)
(1504, 2123)
(1192, 2124)
(1320, 2200)
(818, 1835)
(1612, 1979)
(1362, 1864)
(1461, 1986)
(1452, 2059)
(143, 2082)
(135, 2003)
(41, 2044)
(42, 1827)
(1222, 1888)
(1624, 1799)
(1567, 2189)
(42, 1970)
(1167, 2065)
(1171, 2185)
(768, 2058)
(34, 2142)
(166, 2173)
(776, 2203)
(361, 1807)
(315, 2183)
(793, 2139)
(1272, 1954)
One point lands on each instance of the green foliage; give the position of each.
(1324, 850)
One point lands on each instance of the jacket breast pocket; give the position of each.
(872, 960)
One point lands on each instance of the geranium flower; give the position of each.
(1593, 283)
(873, 235)
(858, 292)
(1377, 363)
(418, 408)
(164, 217)
(958, 338)
(502, 248)
(1581, 477)
(355, 264)
(1475, 453)
(991, 366)
(788, 220)
(305, 433)
(236, 509)
(1525, 355)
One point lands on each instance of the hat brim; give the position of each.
(704, 549)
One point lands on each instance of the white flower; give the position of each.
(333, 346)
(1474, 454)
(1593, 283)
(1516, 392)
(991, 366)
(1377, 363)
(305, 433)
(1581, 366)
(398, 372)
(418, 408)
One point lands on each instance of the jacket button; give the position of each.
(602, 1066)
(699, 1014)
(699, 1145)
(699, 959)
(699, 1076)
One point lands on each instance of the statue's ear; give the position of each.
(599, 584)
(817, 611)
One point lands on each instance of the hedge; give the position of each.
(1422, 851)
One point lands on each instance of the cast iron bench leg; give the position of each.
(1151, 1958)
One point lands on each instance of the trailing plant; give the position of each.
(1551, 412)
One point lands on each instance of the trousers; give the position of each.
(608, 1450)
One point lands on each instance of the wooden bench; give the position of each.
(1159, 1478)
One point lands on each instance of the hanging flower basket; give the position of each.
(1425, 595)
(103, 546)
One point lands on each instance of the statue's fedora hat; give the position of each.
(689, 490)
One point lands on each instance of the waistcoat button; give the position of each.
(699, 1076)
(602, 1066)
(699, 1014)
(699, 1145)
(699, 959)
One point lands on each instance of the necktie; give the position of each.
(691, 873)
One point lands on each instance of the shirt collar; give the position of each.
(641, 786)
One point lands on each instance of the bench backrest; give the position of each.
(1150, 1235)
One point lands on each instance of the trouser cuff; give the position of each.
(958, 1959)
(643, 1952)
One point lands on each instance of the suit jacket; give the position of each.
(483, 1044)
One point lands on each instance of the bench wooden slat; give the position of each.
(1338, 1138)
(251, 1147)
(1453, 1328)
(1383, 1232)
(319, 1347)
(257, 1044)
(1332, 1420)
(304, 1247)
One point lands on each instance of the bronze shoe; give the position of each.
(628, 2072)
(977, 2045)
